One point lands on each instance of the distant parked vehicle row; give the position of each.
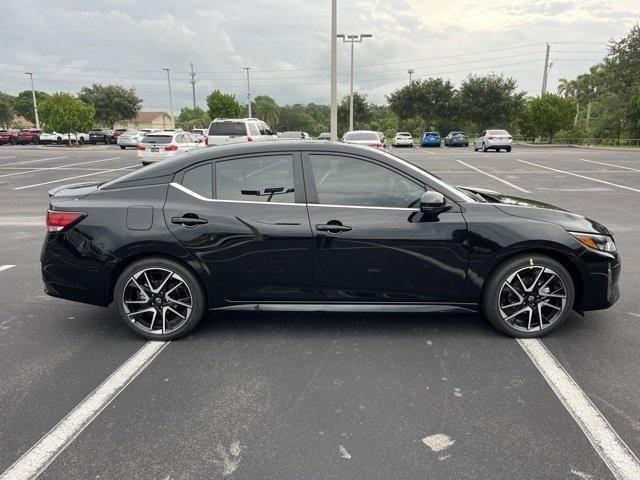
(8, 136)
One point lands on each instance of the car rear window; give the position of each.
(404, 134)
(431, 134)
(160, 139)
(497, 132)
(295, 135)
(361, 136)
(228, 128)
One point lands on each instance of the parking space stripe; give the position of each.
(610, 165)
(31, 161)
(620, 459)
(42, 169)
(5, 267)
(581, 176)
(6, 158)
(493, 176)
(36, 459)
(74, 177)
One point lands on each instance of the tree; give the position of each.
(223, 105)
(296, 118)
(63, 112)
(490, 101)
(192, 118)
(361, 113)
(112, 103)
(546, 115)
(266, 109)
(23, 104)
(6, 109)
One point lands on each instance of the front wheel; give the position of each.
(159, 299)
(528, 296)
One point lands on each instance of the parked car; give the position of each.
(160, 145)
(130, 138)
(53, 137)
(101, 135)
(203, 132)
(456, 139)
(28, 135)
(8, 136)
(431, 139)
(223, 131)
(363, 137)
(324, 136)
(403, 139)
(383, 138)
(117, 132)
(493, 139)
(294, 136)
(318, 226)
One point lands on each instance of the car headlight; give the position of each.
(604, 243)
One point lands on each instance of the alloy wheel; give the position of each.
(157, 300)
(532, 298)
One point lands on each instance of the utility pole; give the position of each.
(410, 72)
(193, 85)
(546, 71)
(334, 75)
(35, 104)
(248, 90)
(170, 96)
(352, 39)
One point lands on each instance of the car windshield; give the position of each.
(431, 134)
(290, 135)
(349, 136)
(497, 132)
(160, 139)
(228, 128)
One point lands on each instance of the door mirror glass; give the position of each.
(432, 202)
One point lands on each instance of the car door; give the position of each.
(372, 244)
(478, 141)
(246, 220)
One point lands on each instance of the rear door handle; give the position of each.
(332, 228)
(189, 220)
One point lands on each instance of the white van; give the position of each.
(223, 131)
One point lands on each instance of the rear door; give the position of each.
(372, 243)
(246, 220)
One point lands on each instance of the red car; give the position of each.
(8, 136)
(29, 135)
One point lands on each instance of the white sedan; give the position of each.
(493, 140)
(157, 146)
(363, 137)
(130, 138)
(403, 139)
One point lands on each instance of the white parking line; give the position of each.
(42, 169)
(71, 178)
(493, 176)
(622, 462)
(38, 457)
(31, 161)
(581, 176)
(5, 158)
(610, 165)
(5, 267)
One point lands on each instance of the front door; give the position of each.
(245, 219)
(372, 243)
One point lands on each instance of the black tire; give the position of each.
(493, 289)
(182, 274)
(508, 149)
(13, 141)
(36, 141)
(122, 147)
(80, 141)
(59, 141)
(484, 147)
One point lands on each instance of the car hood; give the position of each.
(536, 210)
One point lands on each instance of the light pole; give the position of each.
(410, 72)
(35, 104)
(352, 39)
(170, 96)
(248, 90)
(334, 76)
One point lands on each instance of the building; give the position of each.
(155, 120)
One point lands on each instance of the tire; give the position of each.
(80, 141)
(484, 147)
(59, 141)
(508, 149)
(500, 303)
(93, 143)
(180, 319)
(13, 141)
(122, 147)
(36, 141)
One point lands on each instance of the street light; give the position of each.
(410, 72)
(170, 96)
(352, 39)
(35, 104)
(248, 90)
(334, 76)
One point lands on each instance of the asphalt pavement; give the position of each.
(319, 395)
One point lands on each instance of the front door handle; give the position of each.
(189, 220)
(331, 227)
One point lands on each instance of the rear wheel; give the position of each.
(159, 299)
(122, 147)
(484, 147)
(508, 149)
(528, 296)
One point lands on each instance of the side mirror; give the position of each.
(432, 202)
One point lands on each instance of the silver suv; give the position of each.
(223, 131)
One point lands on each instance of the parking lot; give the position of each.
(317, 395)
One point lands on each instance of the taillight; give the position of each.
(171, 148)
(58, 221)
(249, 139)
(140, 147)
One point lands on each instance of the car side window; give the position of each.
(353, 182)
(199, 180)
(253, 129)
(257, 179)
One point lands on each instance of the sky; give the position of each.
(68, 44)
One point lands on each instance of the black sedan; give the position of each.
(456, 139)
(318, 226)
(101, 135)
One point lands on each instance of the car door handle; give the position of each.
(332, 228)
(189, 220)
